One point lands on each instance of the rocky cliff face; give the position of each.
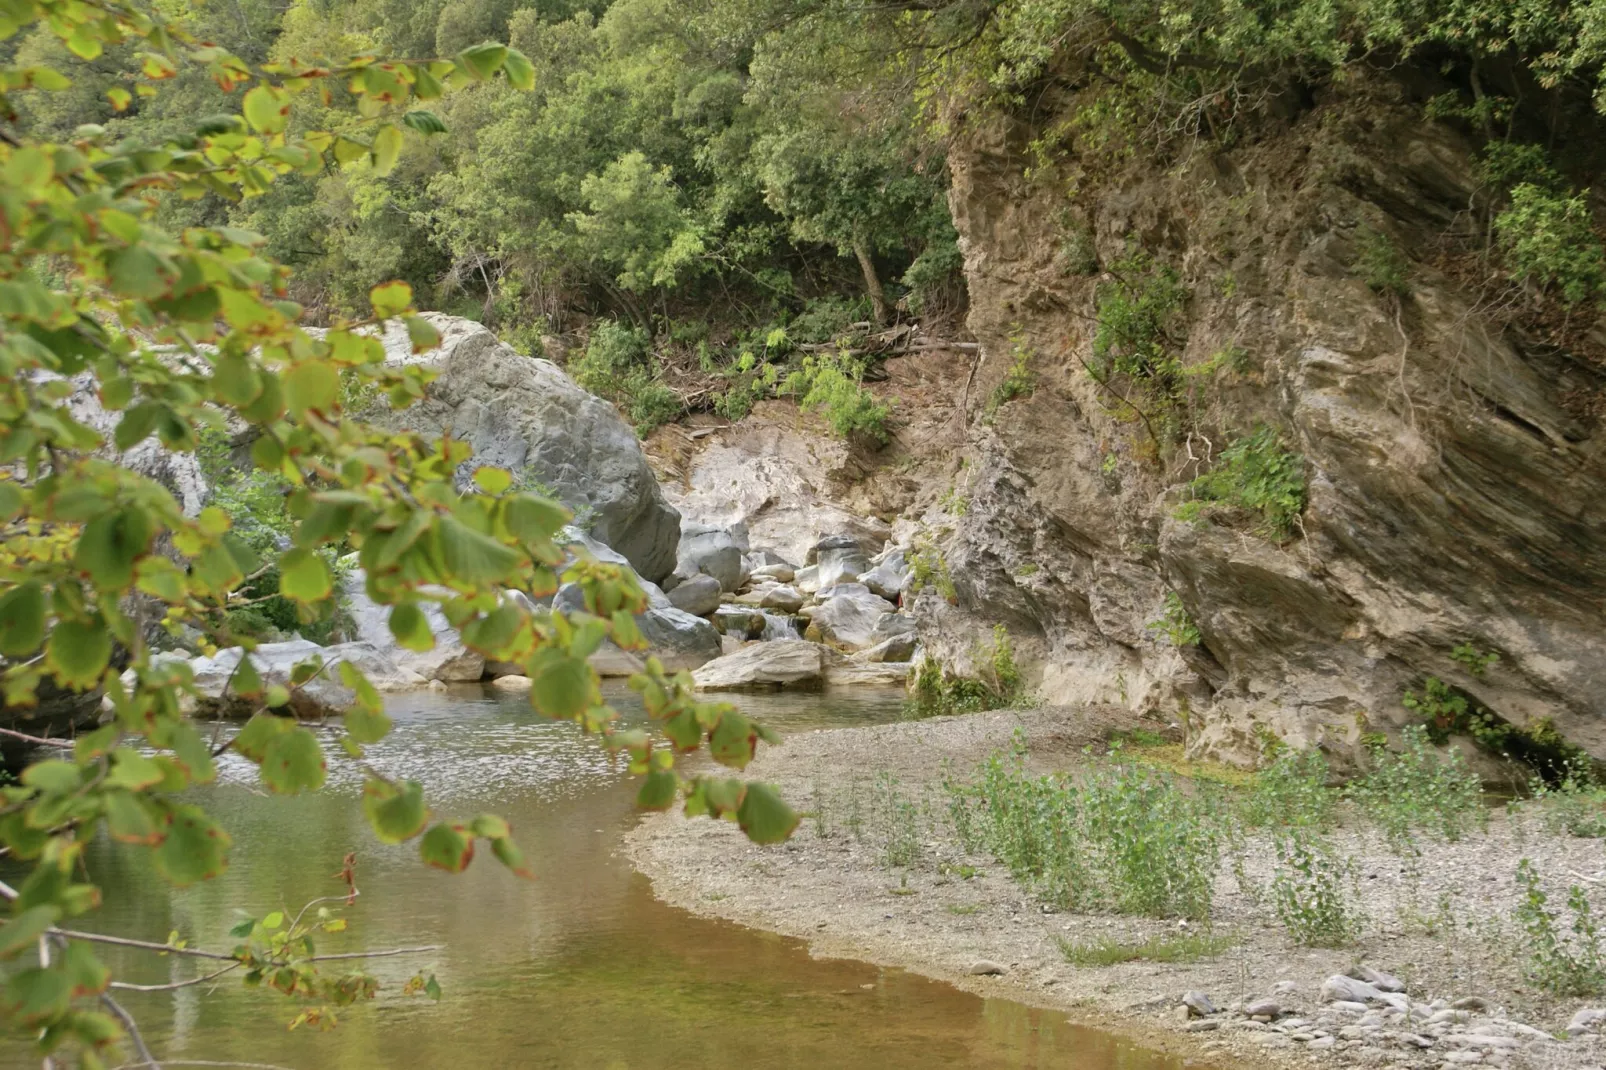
(1453, 460)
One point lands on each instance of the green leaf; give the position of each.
(391, 299)
(78, 652)
(135, 271)
(422, 334)
(732, 741)
(396, 811)
(530, 519)
(658, 790)
(243, 928)
(190, 751)
(367, 726)
(133, 770)
(196, 847)
(10, 500)
(445, 847)
(109, 546)
(561, 687)
(53, 776)
(22, 932)
(312, 386)
(493, 480)
(304, 576)
(490, 827)
(482, 61)
(87, 975)
(507, 852)
(128, 819)
(387, 149)
(519, 70)
(424, 121)
(496, 633)
(22, 620)
(261, 730)
(293, 762)
(470, 557)
(764, 815)
(35, 996)
(410, 626)
(267, 109)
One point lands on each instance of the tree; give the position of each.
(178, 331)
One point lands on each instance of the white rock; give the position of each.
(986, 967)
(1339, 988)
(511, 683)
(321, 696)
(793, 663)
(699, 595)
(783, 598)
(848, 619)
(1383, 982)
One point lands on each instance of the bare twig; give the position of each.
(201, 980)
(204, 1062)
(41, 741)
(146, 945)
(387, 953)
(146, 1058)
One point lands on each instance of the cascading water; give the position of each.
(778, 626)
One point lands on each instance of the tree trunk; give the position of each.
(872, 282)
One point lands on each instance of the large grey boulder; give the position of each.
(712, 551)
(526, 415)
(847, 619)
(677, 638)
(698, 596)
(322, 696)
(839, 559)
(888, 576)
(450, 661)
(785, 663)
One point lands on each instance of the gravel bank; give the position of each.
(1442, 927)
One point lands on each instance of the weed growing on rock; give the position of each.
(1311, 893)
(618, 365)
(937, 691)
(833, 384)
(1418, 788)
(1167, 947)
(1255, 473)
(1565, 965)
(1290, 791)
(1175, 623)
(1549, 241)
(1476, 661)
(1017, 383)
(1381, 265)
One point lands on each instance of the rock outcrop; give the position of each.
(785, 663)
(322, 696)
(526, 415)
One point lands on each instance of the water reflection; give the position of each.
(580, 968)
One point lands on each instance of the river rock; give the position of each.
(897, 648)
(780, 572)
(850, 672)
(322, 696)
(712, 551)
(511, 682)
(807, 579)
(1339, 988)
(1263, 1008)
(1198, 1003)
(848, 619)
(524, 414)
(1383, 982)
(987, 968)
(839, 559)
(698, 596)
(785, 663)
(613, 660)
(744, 622)
(676, 638)
(449, 660)
(887, 578)
(783, 598)
(1585, 1020)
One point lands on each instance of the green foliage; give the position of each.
(1381, 265)
(1477, 662)
(1138, 311)
(1575, 804)
(1417, 788)
(1167, 947)
(1120, 837)
(937, 692)
(180, 324)
(1018, 382)
(1312, 893)
(1175, 623)
(1254, 473)
(618, 365)
(1290, 791)
(928, 568)
(1549, 242)
(832, 383)
(1565, 964)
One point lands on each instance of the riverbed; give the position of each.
(582, 967)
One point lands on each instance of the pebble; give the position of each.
(1263, 1008)
(1349, 1006)
(1203, 1025)
(1341, 989)
(1283, 988)
(1199, 1003)
(1470, 1003)
(1584, 1020)
(1438, 1017)
(986, 968)
(1480, 1040)
(1321, 1043)
(1463, 1057)
(1383, 982)
(1415, 1040)
(1181, 1012)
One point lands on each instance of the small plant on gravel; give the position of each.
(1167, 947)
(1418, 788)
(1290, 790)
(1565, 965)
(1311, 893)
(896, 820)
(1575, 804)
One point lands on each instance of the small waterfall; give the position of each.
(777, 626)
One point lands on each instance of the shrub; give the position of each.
(618, 365)
(1136, 311)
(1175, 623)
(1558, 963)
(1122, 837)
(826, 319)
(1476, 661)
(1418, 788)
(833, 384)
(1290, 791)
(937, 691)
(1381, 265)
(1574, 804)
(1019, 382)
(1549, 241)
(1257, 474)
(1310, 896)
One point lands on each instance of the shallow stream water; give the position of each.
(579, 968)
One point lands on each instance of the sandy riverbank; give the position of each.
(1447, 932)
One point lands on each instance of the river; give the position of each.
(581, 967)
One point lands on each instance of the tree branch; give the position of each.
(126, 987)
(146, 1058)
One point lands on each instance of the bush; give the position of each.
(1575, 804)
(1290, 791)
(1310, 896)
(1019, 382)
(833, 384)
(1136, 311)
(1549, 241)
(1418, 788)
(1381, 265)
(618, 365)
(1175, 623)
(938, 692)
(1564, 965)
(1257, 474)
(1123, 837)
